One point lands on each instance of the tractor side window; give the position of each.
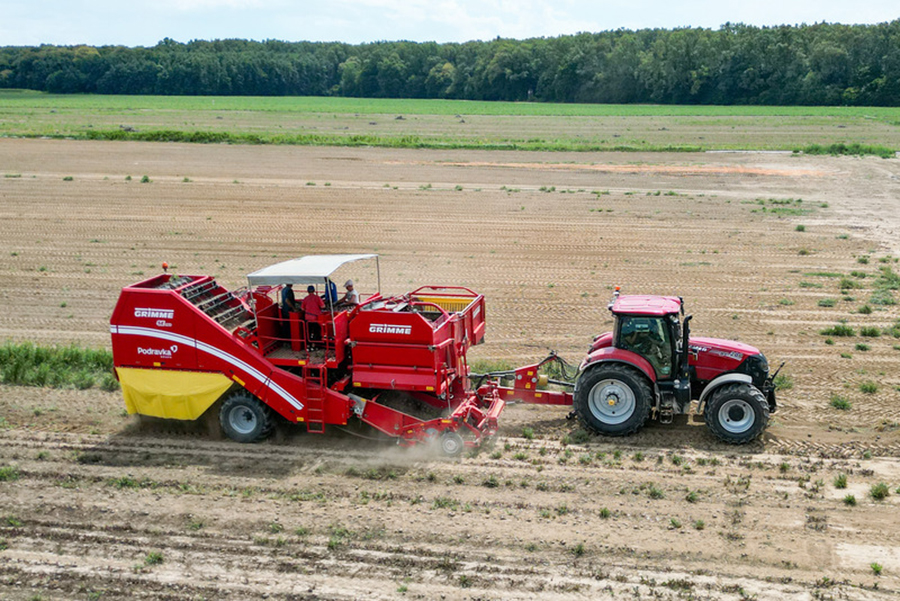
(648, 337)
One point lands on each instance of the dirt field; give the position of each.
(97, 505)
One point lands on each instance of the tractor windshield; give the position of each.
(649, 337)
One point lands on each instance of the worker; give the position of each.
(288, 301)
(330, 296)
(288, 305)
(312, 306)
(649, 345)
(351, 298)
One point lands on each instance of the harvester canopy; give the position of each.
(311, 269)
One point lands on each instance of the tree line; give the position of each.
(820, 64)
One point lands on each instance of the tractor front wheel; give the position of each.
(737, 413)
(245, 418)
(613, 400)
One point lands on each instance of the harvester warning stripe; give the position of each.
(211, 350)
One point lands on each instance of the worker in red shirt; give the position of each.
(312, 306)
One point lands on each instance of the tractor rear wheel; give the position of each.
(737, 413)
(613, 400)
(245, 418)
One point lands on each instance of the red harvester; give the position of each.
(184, 343)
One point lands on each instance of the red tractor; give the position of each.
(649, 365)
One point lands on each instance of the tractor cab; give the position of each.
(650, 327)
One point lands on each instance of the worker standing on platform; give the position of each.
(312, 307)
(288, 301)
(288, 305)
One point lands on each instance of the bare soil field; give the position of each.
(95, 504)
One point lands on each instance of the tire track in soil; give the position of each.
(234, 553)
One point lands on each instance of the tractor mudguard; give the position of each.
(611, 354)
(720, 381)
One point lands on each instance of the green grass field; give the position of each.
(449, 123)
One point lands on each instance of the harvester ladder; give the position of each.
(314, 376)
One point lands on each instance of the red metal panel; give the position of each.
(612, 354)
(159, 328)
(713, 356)
(398, 378)
(154, 328)
(646, 305)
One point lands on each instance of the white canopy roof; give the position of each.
(312, 269)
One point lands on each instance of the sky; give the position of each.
(144, 23)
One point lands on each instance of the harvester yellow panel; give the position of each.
(448, 304)
(170, 394)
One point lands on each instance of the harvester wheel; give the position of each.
(737, 413)
(452, 444)
(245, 418)
(613, 400)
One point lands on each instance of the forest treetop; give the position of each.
(821, 64)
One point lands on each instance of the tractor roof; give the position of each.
(311, 269)
(646, 305)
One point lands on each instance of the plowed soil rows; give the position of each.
(97, 505)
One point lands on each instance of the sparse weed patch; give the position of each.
(879, 491)
(9, 473)
(839, 402)
(783, 381)
(654, 492)
(868, 387)
(838, 330)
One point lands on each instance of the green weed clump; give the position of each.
(839, 402)
(868, 387)
(783, 382)
(838, 330)
(27, 364)
(880, 491)
(849, 284)
(887, 282)
(9, 473)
